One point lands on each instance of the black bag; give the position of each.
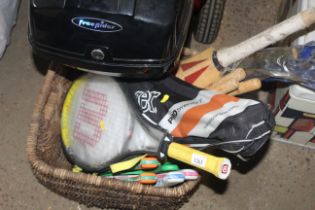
(202, 118)
(130, 38)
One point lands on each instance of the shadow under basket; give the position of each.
(52, 169)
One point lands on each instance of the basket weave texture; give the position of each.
(52, 169)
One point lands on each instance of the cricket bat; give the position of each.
(203, 69)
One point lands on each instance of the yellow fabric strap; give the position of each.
(125, 165)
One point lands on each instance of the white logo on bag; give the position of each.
(145, 100)
(173, 116)
(178, 111)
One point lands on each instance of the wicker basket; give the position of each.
(52, 169)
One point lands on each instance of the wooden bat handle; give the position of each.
(302, 20)
(199, 70)
(237, 75)
(226, 87)
(308, 16)
(247, 86)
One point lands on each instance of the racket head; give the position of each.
(98, 126)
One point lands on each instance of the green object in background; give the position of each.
(76, 169)
(280, 129)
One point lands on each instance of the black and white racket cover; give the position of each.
(202, 118)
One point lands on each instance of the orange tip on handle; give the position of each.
(218, 166)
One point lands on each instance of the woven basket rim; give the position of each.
(59, 173)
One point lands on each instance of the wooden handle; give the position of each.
(199, 70)
(226, 87)
(238, 74)
(218, 166)
(247, 86)
(308, 16)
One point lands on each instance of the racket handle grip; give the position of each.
(218, 166)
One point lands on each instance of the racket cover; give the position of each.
(202, 118)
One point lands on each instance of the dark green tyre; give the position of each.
(209, 21)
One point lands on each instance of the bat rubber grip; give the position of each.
(218, 166)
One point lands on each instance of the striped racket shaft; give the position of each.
(148, 163)
(218, 166)
(144, 178)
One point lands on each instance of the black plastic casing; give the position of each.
(128, 38)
